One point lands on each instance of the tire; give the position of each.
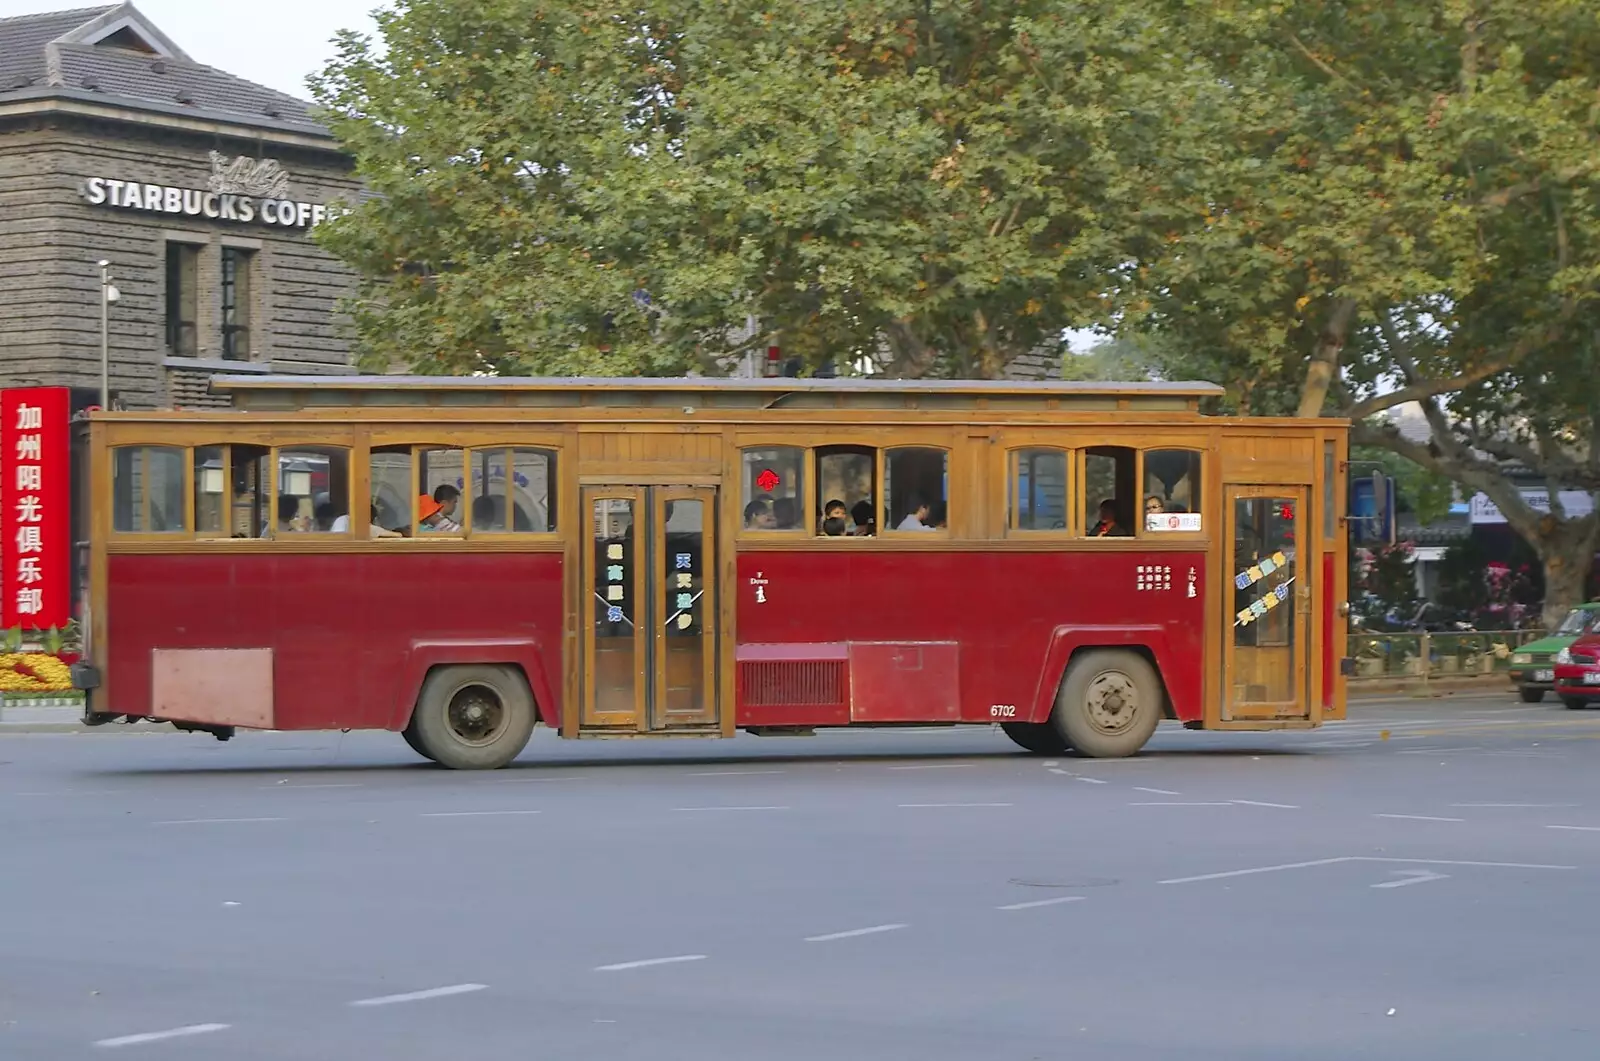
(410, 736)
(1109, 704)
(1531, 696)
(1575, 703)
(473, 717)
(1040, 738)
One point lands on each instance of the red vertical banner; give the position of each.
(35, 512)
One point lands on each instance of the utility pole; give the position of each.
(108, 295)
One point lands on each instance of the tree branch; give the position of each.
(1319, 63)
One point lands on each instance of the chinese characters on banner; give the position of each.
(35, 504)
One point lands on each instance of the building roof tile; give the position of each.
(113, 50)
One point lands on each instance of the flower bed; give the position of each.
(28, 673)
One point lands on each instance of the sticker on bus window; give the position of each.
(1172, 521)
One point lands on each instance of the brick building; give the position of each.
(199, 188)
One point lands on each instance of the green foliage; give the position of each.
(569, 186)
(1388, 576)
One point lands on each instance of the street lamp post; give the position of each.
(108, 295)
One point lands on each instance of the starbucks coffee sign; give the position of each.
(244, 190)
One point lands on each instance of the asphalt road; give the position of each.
(1417, 883)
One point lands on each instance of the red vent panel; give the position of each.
(794, 683)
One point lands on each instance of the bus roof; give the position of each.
(282, 391)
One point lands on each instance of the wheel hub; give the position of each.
(477, 715)
(1112, 701)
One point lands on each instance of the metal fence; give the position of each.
(1475, 652)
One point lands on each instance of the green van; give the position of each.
(1532, 665)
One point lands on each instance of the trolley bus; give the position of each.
(460, 559)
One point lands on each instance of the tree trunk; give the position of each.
(1566, 553)
(1325, 358)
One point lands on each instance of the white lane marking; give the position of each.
(418, 996)
(728, 808)
(955, 805)
(852, 933)
(1053, 762)
(1457, 862)
(170, 1033)
(734, 773)
(1419, 817)
(287, 787)
(532, 780)
(1412, 876)
(1345, 743)
(1042, 902)
(1180, 803)
(1439, 751)
(1358, 858)
(476, 813)
(1549, 805)
(646, 962)
(1092, 780)
(934, 766)
(1264, 803)
(1157, 791)
(1576, 828)
(218, 821)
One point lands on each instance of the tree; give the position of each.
(1400, 207)
(588, 186)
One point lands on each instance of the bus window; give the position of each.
(916, 487)
(1170, 500)
(511, 491)
(773, 497)
(147, 490)
(1108, 491)
(846, 474)
(392, 492)
(231, 491)
(441, 476)
(313, 490)
(1039, 489)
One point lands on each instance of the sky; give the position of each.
(275, 44)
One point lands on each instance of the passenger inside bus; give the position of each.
(447, 498)
(758, 515)
(862, 515)
(1154, 504)
(835, 519)
(917, 512)
(1108, 527)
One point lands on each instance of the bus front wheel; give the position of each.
(1109, 703)
(474, 717)
(1040, 738)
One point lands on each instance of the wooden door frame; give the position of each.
(587, 586)
(1307, 703)
(655, 715)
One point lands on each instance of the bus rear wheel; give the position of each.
(1109, 703)
(1040, 738)
(475, 717)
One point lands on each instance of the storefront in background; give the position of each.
(198, 189)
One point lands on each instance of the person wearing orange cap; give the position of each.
(429, 514)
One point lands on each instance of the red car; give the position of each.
(1578, 672)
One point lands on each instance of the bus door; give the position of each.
(1267, 642)
(648, 622)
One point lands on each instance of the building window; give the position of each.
(236, 265)
(183, 303)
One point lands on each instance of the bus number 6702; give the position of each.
(1003, 711)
